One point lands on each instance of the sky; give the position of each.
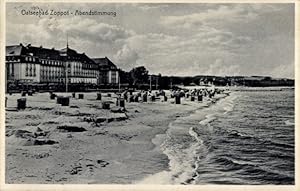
(170, 39)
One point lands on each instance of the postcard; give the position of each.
(149, 95)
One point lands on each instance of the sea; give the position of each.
(246, 138)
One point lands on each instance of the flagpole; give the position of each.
(150, 84)
(119, 82)
(67, 77)
(67, 64)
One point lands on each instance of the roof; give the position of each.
(40, 52)
(14, 50)
(44, 53)
(254, 77)
(47, 53)
(104, 62)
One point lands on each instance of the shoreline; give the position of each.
(164, 177)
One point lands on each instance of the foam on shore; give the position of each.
(184, 147)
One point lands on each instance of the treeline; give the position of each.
(139, 77)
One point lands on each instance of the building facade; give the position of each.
(81, 69)
(108, 71)
(29, 64)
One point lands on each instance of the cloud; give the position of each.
(85, 35)
(147, 7)
(184, 39)
(31, 33)
(126, 57)
(221, 68)
(83, 28)
(93, 30)
(284, 71)
(169, 54)
(217, 39)
(220, 15)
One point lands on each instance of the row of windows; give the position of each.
(12, 58)
(30, 70)
(53, 62)
(90, 66)
(43, 61)
(70, 80)
(30, 59)
(51, 73)
(51, 79)
(84, 80)
(30, 73)
(48, 68)
(86, 73)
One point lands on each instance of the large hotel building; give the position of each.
(36, 65)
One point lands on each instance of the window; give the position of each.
(12, 69)
(30, 70)
(26, 70)
(113, 76)
(34, 70)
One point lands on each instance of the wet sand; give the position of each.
(82, 143)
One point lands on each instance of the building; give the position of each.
(29, 64)
(108, 71)
(82, 69)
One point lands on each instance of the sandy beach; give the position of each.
(83, 143)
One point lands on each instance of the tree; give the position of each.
(139, 75)
(125, 77)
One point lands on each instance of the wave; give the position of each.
(181, 147)
(266, 142)
(278, 144)
(265, 175)
(230, 164)
(289, 123)
(208, 118)
(250, 170)
(229, 104)
(235, 133)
